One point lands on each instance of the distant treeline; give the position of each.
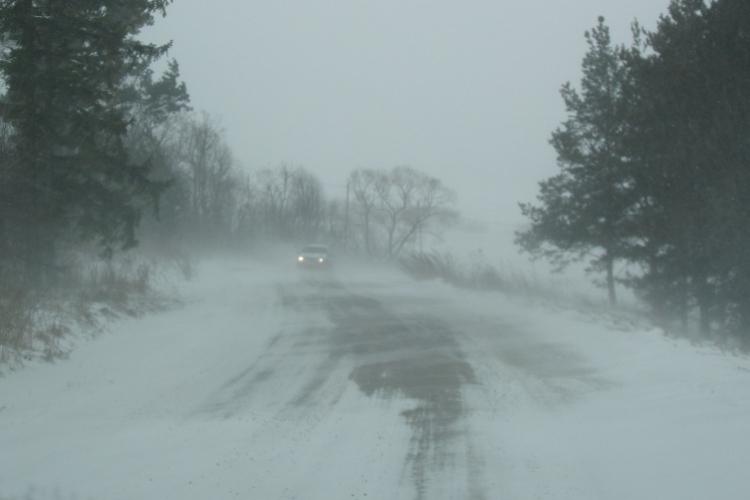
(99, 154)
(655, 167)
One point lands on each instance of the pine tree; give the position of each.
(729, 60)
(689, 141)
(583, 209)
(63, 65)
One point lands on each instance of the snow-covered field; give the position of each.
(210, 400)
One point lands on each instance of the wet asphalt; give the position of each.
(397, 347)
(408, 356)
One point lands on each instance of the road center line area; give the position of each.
(276, 383)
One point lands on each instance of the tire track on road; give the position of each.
(417, 358)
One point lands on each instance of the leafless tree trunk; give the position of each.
(209, 165)
(308, 204)
(291, 203)
(413, 203)
(404, 203)
(362, 184)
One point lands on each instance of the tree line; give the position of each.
(654, 164)
(211, 201)
(99, 152)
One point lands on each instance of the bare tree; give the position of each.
(413, 204)
(334, 226)
(308, 204)
(291, 203)
(274, 187)
(209, 165)
(247, 224)
(362, 184)
(400, 206)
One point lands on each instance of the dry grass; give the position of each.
(478, 274)
(90, 293)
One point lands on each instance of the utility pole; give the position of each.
(346, 218)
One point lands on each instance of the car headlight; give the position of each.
(300, 259)
(321, 260)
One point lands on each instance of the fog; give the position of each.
(466, 91)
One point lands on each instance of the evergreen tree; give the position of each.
(63, 64)
(729, 60)
(668, 123)
(584, 209)
(689, 142)
(157, 109)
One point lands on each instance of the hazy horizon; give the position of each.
(465, 91)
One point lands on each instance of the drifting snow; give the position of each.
(196, 402)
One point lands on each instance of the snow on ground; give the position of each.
(641, 415)
(596, 409)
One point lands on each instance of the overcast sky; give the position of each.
(466, 90)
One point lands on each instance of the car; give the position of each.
(316, 256)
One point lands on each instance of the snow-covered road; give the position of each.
(276, 384)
